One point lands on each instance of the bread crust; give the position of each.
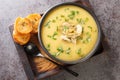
(35, 19)
(23, 25)
(21, 39)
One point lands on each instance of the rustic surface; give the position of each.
(101, 67)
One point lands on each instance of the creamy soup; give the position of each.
(69, 33)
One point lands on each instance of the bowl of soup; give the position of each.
(69, 33)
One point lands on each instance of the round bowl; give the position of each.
(89, 54)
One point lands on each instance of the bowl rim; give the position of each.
(95, 46)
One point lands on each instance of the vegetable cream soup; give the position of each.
(69, 33)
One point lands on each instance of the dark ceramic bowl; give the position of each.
(89, 54)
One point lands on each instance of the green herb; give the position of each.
(65, 28)
(77, 12)
(95, 30)
(53, 36)
(88, 34)
(60, 50)
(82, 29)
(66, 9)
(56, 28)
(72, 14)
(83, 41)
(62, 16)
(66, 20)
(90, 28)
(79, 38)
(87, 19)
(53, 55)
(47, 23)
(79, 51)
(82, 55)
(57, 54)
(56, 17)
(55, 33)
(80, 21)
(53, 21)
(68, 50)
(48, 26)
(48, 47)
(49, 36)
(88, 37)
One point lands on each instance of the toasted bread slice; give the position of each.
(35, 19)
(21, 38)
(23, 25)
(43, 65)
(16, 22)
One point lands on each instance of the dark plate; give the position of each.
(27, 64)
(91, 53)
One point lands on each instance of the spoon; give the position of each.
(32, 49)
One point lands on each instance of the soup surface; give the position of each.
(69, 33)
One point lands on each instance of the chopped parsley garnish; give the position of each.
(90, 28)
(87, 19)
(48, 47)
(77, 12)
(66, 19)
(88, 38)
(79, 51)
(95, 30)
(66, 9)
(62, 16)
(80, 38)
(47, 24)
(55, 33)
(65, 28)
(68, 50)
(56, 17)
(49, 36)
(57, 54)
(80, 21)
(88, 34)
(53, 21)
(53, 36)
(56, 28)
(72, 14)
(60, 50)
(84, 41)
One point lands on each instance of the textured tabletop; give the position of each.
(105, 66)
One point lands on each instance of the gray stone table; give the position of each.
(105, 66)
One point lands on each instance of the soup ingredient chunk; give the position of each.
(71, 32)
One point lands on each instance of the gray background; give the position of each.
(105, 66)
